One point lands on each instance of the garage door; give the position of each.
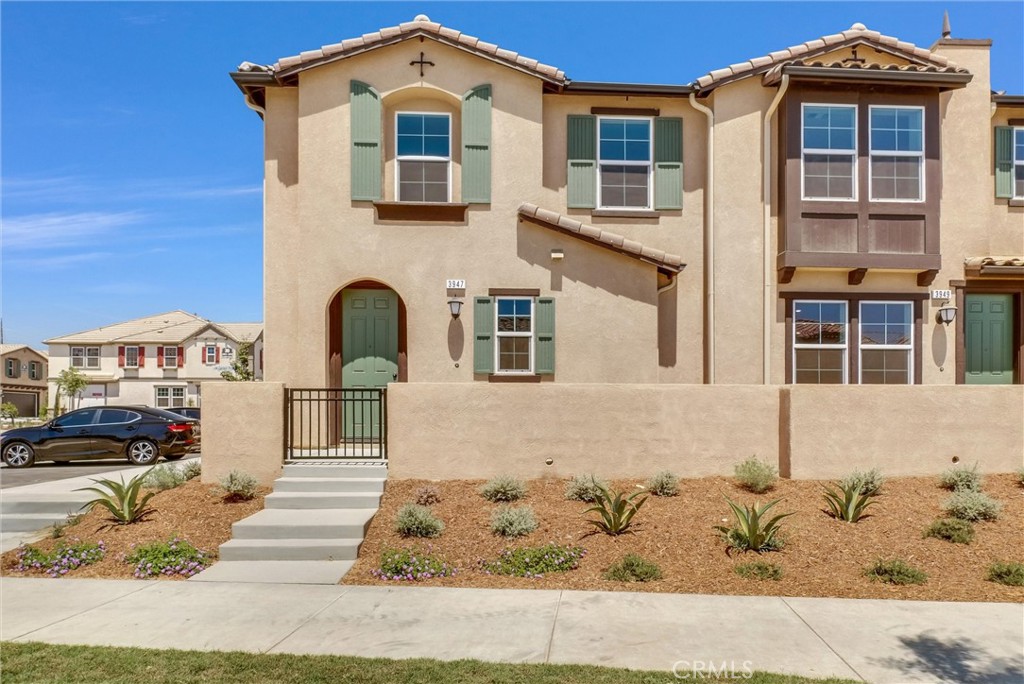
(25, 401)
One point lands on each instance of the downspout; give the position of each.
(672, 280)
(709, 245)
(253, 106)
(766, 189)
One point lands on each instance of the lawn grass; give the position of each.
(41, 663)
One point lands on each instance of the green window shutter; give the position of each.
(476, 145)
(483, 335)
(581, 143)
(365, 113)
(1004, 161)
(668, 163)
(544, 348)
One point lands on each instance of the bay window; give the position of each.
(829, 151)
(897, 153)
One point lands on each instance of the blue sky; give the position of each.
(131, 170)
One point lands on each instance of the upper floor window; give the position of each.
(33, 370)
(11, 368)
(829, 151)
(170, 357)
(897, 153)
(624, 160)
(210, 355)
(1018, 162)
(131, 357)
(85, 357)
(424, 153)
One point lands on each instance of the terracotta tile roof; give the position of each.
(978, 262)
(855, 35)
(667, 263)
(420, 26)
(775, 72)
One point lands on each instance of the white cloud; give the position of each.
(59, 261)
(69, 189)
(63, 229)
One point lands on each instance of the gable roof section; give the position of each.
(242, 332)
(668, 264)
(11, 348)
(172, 327)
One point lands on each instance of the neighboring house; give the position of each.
(24, 378)
(160, 360)
(859, 183)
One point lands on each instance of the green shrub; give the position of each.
(534, 561)
(417, 521)
(972, 506)
(895, 571)
(633, 568)
(121, 499)
(952, 530)
(961, 479)
(507, 521)
(62, 560)
(502, 489)
(759, 570)
(172, 557)
(164, 477)
(191, 469)
(615, 510)
(849, 502)
(751, 532)
(584, 488)
(868, 483)
(1011, 574)
(239, 486)
(411, 565)
(428, 496)
(756, 476)
(664, 483)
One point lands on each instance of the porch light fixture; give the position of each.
(946, 314)
(455, 306)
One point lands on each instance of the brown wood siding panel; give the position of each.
(896, 234)
(828, 233)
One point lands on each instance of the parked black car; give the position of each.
(142, 435)
(192, 412)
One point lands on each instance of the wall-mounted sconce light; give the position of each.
(455, 306)
(557, 254)
(946, 314)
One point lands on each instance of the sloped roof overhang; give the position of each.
(941, 78)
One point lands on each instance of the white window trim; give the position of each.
(499, 334)
(175, 350)
(616, 162)
(401, 158)
(88, 357)
(845, 346)
(207, 356)
(804, 151)
(922, 185)
(126, 364)
(882, 347)
(1016, 162)
(170, 389)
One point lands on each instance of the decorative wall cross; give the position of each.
(422, 62)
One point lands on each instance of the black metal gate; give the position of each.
(336, 423)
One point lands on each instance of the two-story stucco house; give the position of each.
(161, 360)
(24, 378)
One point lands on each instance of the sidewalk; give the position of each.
(873, 640)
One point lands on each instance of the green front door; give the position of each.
(369, 354)
(988, 332)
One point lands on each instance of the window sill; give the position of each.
(626, 213)
(421, 211)
(1017, 202)
(523, 377)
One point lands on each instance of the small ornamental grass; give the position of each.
(752, 531)
(665, 483)
(411, 565)
(972, 506)
(417, 521)
(633, 568)
(503, 489)
(952, 530)
(172, 557)
(508, 521)
(164, 477)
(961, 479)
(239, 486)
(427, 496)
(534, 561)
(895, 571)
(1010, 574)
(868, 483)
(759, 570)
(756, 475)
(584, 488)
(192, 469)
(62, 560)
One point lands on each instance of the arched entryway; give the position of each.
(366, 330)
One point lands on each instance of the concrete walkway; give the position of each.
(872, 640)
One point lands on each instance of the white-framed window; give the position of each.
(170, 357)
(820, 342)
(514, 332)
(131, 357)
(1018, 163)
(210, 354)
(829, 152)
(624, 153)
(170, 397)
(85, 357)
(11, 368)
(886, 343)
(897, 153)
(423, 154)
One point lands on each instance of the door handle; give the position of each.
(83, 432)
(130, 428)
(394, 376)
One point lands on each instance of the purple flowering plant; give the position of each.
(68, 556)
(174, 557)
(534, 561)
(412, 565)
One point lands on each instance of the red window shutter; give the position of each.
(181, 357)
(120, 357)
(159, 357)
(142, 357)
(218, 353)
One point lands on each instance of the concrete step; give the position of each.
(323, 523)
(28, 522)
(289, 549)
(56, 504)
(330, 484)
(275, 572)
(318, 500)
(339, 469)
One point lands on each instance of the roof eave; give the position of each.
(608, 88)
(1008, 100)
(942, 80)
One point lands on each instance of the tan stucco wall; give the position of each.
(243, 429)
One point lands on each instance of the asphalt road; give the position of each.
(49, 471)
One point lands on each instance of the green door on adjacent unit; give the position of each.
(369, 352)
(988, 343)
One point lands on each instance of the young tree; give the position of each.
(9, 411)
(241, 367)
(71, 382)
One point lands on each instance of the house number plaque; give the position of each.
(455, 284)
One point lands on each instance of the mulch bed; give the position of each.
(822, 556)
(194, 511)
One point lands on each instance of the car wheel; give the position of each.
(174, 458)
(143, 452)
(19, 455)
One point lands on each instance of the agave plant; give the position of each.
(121, 499)
(752, 532)
(616, 510)
(848, 502)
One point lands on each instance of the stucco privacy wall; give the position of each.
(243, 429)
